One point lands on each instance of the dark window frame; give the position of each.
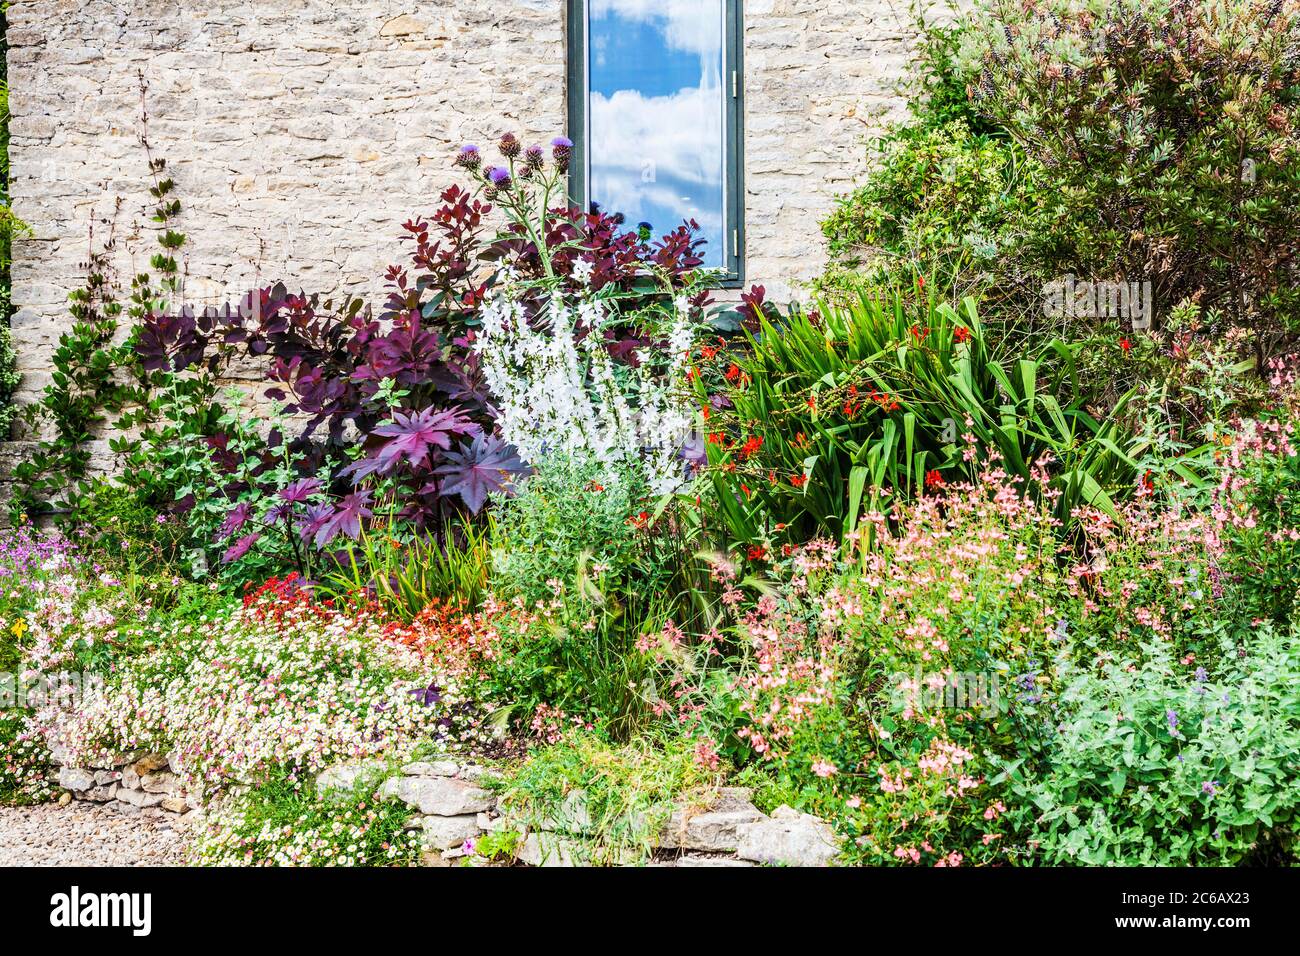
(733, 127)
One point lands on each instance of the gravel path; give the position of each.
(86, 834)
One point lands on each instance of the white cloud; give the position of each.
(660, 152)
(679, 136)
(694, 25)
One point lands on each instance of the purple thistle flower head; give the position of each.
(509, 146)
(499, 177)
(561, 151)
(469, 157)
(534, 157)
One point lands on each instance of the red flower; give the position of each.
(640, 520)
(798, 480)
(961, 333)
(751, 447)
(733, 373)
(1125, 344)
(933, 479)
(757, 552)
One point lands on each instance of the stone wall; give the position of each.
(452, 808)
(301, 133)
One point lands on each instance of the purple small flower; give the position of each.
(428, 696)
(1172, 717)
(1201, 675)
(1210, 787)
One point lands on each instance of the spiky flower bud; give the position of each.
(561, 150)
(469, 157)
(509, 146)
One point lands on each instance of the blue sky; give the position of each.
(655, 113)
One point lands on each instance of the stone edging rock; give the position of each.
(130, 783)
(452, 809)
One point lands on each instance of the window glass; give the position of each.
(655, 114)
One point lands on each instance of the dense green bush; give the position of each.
(946, 194)
(836, 411)
(1112, 141)
(1164, 764)
(565, 515)
(1163, 137)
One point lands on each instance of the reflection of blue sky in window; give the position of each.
(655, 113)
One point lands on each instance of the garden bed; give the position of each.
(554, 556)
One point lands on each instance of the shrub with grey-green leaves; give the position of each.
(1168, 764)
(1162, 137)
(566, 518)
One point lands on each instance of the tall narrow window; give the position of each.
(654, 113)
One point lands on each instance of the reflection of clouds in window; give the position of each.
(655, 113)
(694, 25)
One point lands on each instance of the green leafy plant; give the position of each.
(835, 411)
(1162, 141)
(1160, 765)
(405, 573)
(598, 803)
(283, 822)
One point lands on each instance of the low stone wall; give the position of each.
(452, 808)
(131, 783)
